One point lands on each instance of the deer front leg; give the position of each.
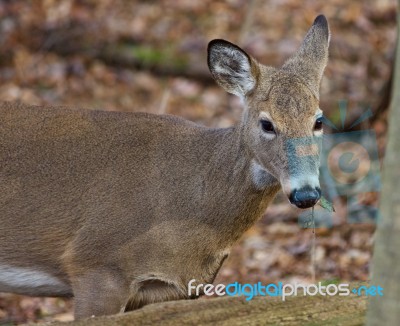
(147, 289)
(99, 292)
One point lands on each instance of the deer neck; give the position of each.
(239, 188)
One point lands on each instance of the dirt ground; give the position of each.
(151, 56)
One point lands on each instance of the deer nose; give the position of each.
(305, 197)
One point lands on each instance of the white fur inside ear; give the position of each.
(232, 69)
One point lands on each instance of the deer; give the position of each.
(119, 210)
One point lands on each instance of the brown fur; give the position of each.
(125, 209)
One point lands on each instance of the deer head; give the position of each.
(282, 122)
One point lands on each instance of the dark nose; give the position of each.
(305, 197)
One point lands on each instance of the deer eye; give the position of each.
(318, 124)
(267, 126)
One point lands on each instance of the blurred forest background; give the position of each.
(128, 55)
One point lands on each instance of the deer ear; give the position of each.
(310, 60)
(232, 68)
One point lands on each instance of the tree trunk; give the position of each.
(385, 310)
(300, 310)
